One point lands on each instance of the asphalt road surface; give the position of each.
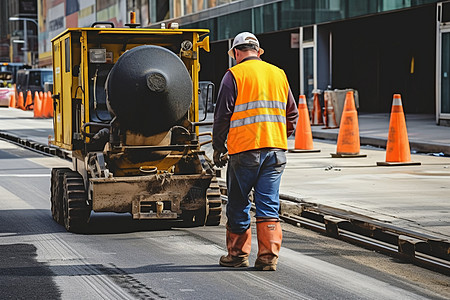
(125, 259)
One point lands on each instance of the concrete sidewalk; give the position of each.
(22, 124)
(413, 197)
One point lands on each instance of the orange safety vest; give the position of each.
(259, 117)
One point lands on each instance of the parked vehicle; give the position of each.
(5, 79)
(13, 68)
(5, 94)
(33, 80)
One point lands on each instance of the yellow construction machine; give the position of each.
(126, 107)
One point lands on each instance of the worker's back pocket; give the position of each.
(249, 159)
(280, 161)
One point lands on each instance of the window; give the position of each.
(67, 54)
(35, 78)
(47, 76)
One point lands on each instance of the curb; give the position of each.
(47, 150)
(408, 241)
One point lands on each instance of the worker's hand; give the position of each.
(220, 158)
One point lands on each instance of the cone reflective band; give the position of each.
(397, 106)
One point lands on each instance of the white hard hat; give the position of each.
(245, 38)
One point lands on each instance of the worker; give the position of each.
(255, 114)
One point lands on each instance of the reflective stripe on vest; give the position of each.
(259, 117)
(259, 104)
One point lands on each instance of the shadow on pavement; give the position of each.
(40, 221)
(109, 223)
(31, 270)
(17, 264)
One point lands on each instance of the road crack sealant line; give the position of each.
(35, 146)
(420, 249)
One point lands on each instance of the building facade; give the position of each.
(378, 47)
(18, 31)
(57, 15)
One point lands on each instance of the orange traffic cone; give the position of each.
(397, 148)
(20, 101)
(44, 112)
(316, 113)
(29, 101)
(48, 105)
(12, 100)
(348, 137)
(37, 106)
(329, 115)
(41, 97)
(303, 134)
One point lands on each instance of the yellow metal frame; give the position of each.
(81, 40)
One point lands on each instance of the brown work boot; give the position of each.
(269, 244)
(238, 246)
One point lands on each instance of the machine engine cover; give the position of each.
(148, 90)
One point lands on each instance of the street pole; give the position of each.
(25, 34)
(25, 42)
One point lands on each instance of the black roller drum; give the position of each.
(148, 90)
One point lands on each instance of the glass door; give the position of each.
(445, 74)
(308, 71)
(308, 63)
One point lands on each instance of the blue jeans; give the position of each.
(258, 169)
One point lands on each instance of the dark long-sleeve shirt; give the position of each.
(225, 107)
